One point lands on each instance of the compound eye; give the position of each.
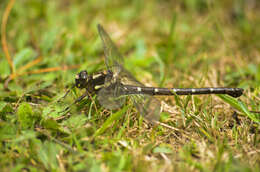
(83, 74)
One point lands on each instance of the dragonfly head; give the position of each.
(81, 79)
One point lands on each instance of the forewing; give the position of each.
(113, 58)
(112, 96)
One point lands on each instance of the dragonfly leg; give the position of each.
(76, 101)
(67, 92)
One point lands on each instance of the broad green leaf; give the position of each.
(162, 149)
(2, 105)
(50, 124)
(25, 116)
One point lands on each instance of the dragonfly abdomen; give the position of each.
(234, 92)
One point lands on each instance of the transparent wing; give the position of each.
(113, 96)
(113, 59)
(148, 106)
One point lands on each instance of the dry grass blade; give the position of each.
(52, 69)
(3, 33)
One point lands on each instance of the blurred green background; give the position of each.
(187, 43)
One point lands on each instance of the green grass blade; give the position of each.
(251, 115)
(110, 120)
(232, 101)
(240, 106)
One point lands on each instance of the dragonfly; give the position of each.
(114, 85)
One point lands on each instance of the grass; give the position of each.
(165, 43)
